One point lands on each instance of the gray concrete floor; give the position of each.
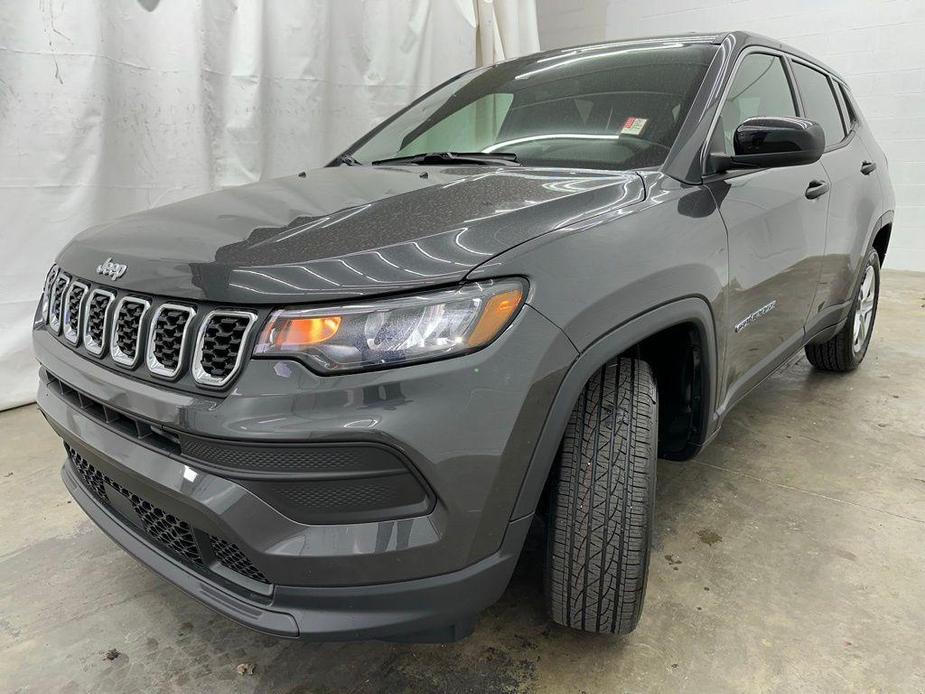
(790, 556)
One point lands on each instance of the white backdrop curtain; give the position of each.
(108, 107)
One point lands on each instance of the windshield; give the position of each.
(605, 107)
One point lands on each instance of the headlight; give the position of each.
(394, 332)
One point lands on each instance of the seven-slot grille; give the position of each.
(120, 327)
(72, 305)
(218, 349)
(57, 301)
(126, 330)
(96, 320)
(46, 291)
(168, 339)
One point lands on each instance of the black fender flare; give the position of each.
(826, 329)
(694, 310)
(884, 219)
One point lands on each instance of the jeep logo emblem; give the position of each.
(111, 269)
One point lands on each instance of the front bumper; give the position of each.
(467, 426)
(439, 608)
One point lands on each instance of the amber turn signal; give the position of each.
(497, 313)
(297, 333)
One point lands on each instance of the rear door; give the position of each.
(776, 231)
(854, 197)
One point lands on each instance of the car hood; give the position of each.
(342, 232)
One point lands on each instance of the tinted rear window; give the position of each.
(851, 115)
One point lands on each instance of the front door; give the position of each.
(776, 225)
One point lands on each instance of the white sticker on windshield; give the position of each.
(634, 126)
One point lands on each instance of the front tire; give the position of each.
(846, 350)
(602, 504)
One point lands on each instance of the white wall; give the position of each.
(570, 22)
(877, 45)
(112, 106)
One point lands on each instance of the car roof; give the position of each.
(739, 39)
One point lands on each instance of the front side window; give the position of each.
(759, 88)
(605, 107)
(819, 102)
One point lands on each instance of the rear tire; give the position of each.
(602, 504)
(846, 350)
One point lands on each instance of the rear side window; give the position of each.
(759, 88)
(850, 113)
(819, 102)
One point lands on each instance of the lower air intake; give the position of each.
(92, 477)
(165, 529)
(162, 527)
(231, 557)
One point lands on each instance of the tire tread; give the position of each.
(601, 512)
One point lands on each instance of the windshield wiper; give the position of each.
(346, 159)
(482, 158)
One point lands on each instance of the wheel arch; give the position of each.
(882, 237)
(878, 237)
(631, 337)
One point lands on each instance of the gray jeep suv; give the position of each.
(331, 405)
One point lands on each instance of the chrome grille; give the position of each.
(167, 342)
(219, 346)
(73, 303)
(125, 343)
(96, 320)
(57, 302)
(46, 290)
(196, 346)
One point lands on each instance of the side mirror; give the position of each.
(766, 142)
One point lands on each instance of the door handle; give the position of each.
(868, 167)
(816, 189)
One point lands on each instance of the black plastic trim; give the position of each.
(688, 310)
(391, 463)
